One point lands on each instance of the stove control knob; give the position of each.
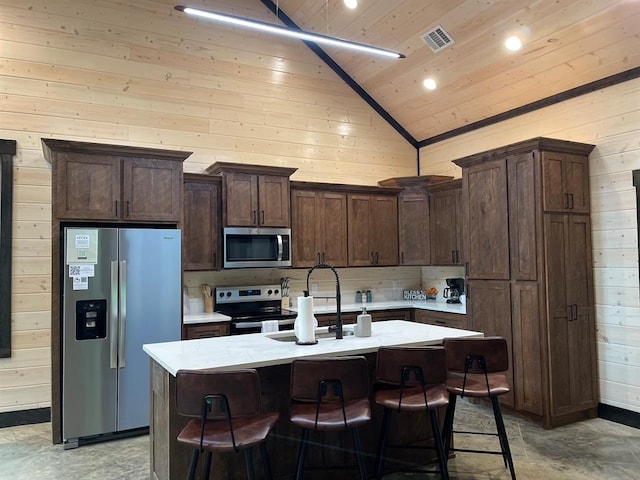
(228, 294)
(276, 291)
(269, 291)
(221, 295)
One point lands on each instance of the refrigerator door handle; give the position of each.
(113, 317)
(123, 314)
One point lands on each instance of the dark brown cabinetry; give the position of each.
(566, 181)
(414, 235)
(206, 330)
(324, 320)
(570, 311)
(445, 209)
(254, 195)
(319, 227)
(201, 230)
(442, 319)
(372, 229)
(530, 272)
(97, 182)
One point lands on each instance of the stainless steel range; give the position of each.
(249, 306)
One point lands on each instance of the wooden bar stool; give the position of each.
(226, 416)
(411, 379)
(330, 393)
(476, 367)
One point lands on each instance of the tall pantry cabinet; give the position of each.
(529, 271)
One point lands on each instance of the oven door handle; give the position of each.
(280, 247)
(242, 325)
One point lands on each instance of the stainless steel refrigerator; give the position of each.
(122, 289)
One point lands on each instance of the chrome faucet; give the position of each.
(338, 327)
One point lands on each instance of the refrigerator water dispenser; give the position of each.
(91, 319)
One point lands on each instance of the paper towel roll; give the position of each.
(305, 323)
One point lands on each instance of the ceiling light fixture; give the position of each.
(351, 4)
(430, 84)
(513, 43)
(289, 32)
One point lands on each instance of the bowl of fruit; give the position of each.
(431, 293)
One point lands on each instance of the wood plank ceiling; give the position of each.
(566, 44)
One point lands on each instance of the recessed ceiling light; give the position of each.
(430, 84)
(351, 3)
(513, 43)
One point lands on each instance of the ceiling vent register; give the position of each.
(437, 39)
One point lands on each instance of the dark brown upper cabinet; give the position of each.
(201, 231)
(414, 231)
(565, 182)
(319, 227)
(115, 183)
(445, 223)
(254, 195)
(372, 229)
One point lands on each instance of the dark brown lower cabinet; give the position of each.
(527, 333)
(570, 305)
(442, 319)
(489, 304)
(349, 318)
(206, 330)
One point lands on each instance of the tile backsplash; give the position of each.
(385, 283)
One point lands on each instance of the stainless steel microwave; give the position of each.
(257, 247)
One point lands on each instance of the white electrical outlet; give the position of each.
(394, 284)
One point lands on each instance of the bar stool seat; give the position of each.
(330, 415)
(247, 432)
(226, 416)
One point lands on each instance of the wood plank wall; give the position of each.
(140, 73)
(610, 119)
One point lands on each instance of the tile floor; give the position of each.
(593, 449)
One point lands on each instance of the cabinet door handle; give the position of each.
(128, 210)
(324, 257)
(319, 257)
(372, 258)
(571, 201)
(116, 208)
(453, 256)
(262, 216)
(254, 217)
(402, 257)
(377, 260)
(575, 311)
(457, 256)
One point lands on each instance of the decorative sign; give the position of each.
(414, 295)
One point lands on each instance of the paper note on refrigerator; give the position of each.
(82, 270)
(81, 283)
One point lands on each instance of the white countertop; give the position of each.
(204, 318)
(321, 306)
(259, 350)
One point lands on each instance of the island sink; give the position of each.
(320, 335)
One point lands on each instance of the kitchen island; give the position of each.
(271, 354)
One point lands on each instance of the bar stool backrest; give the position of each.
(431, 361)
(240, 387)
(494, 350)
(307, 373)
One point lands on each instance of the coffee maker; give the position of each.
(455, 288)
